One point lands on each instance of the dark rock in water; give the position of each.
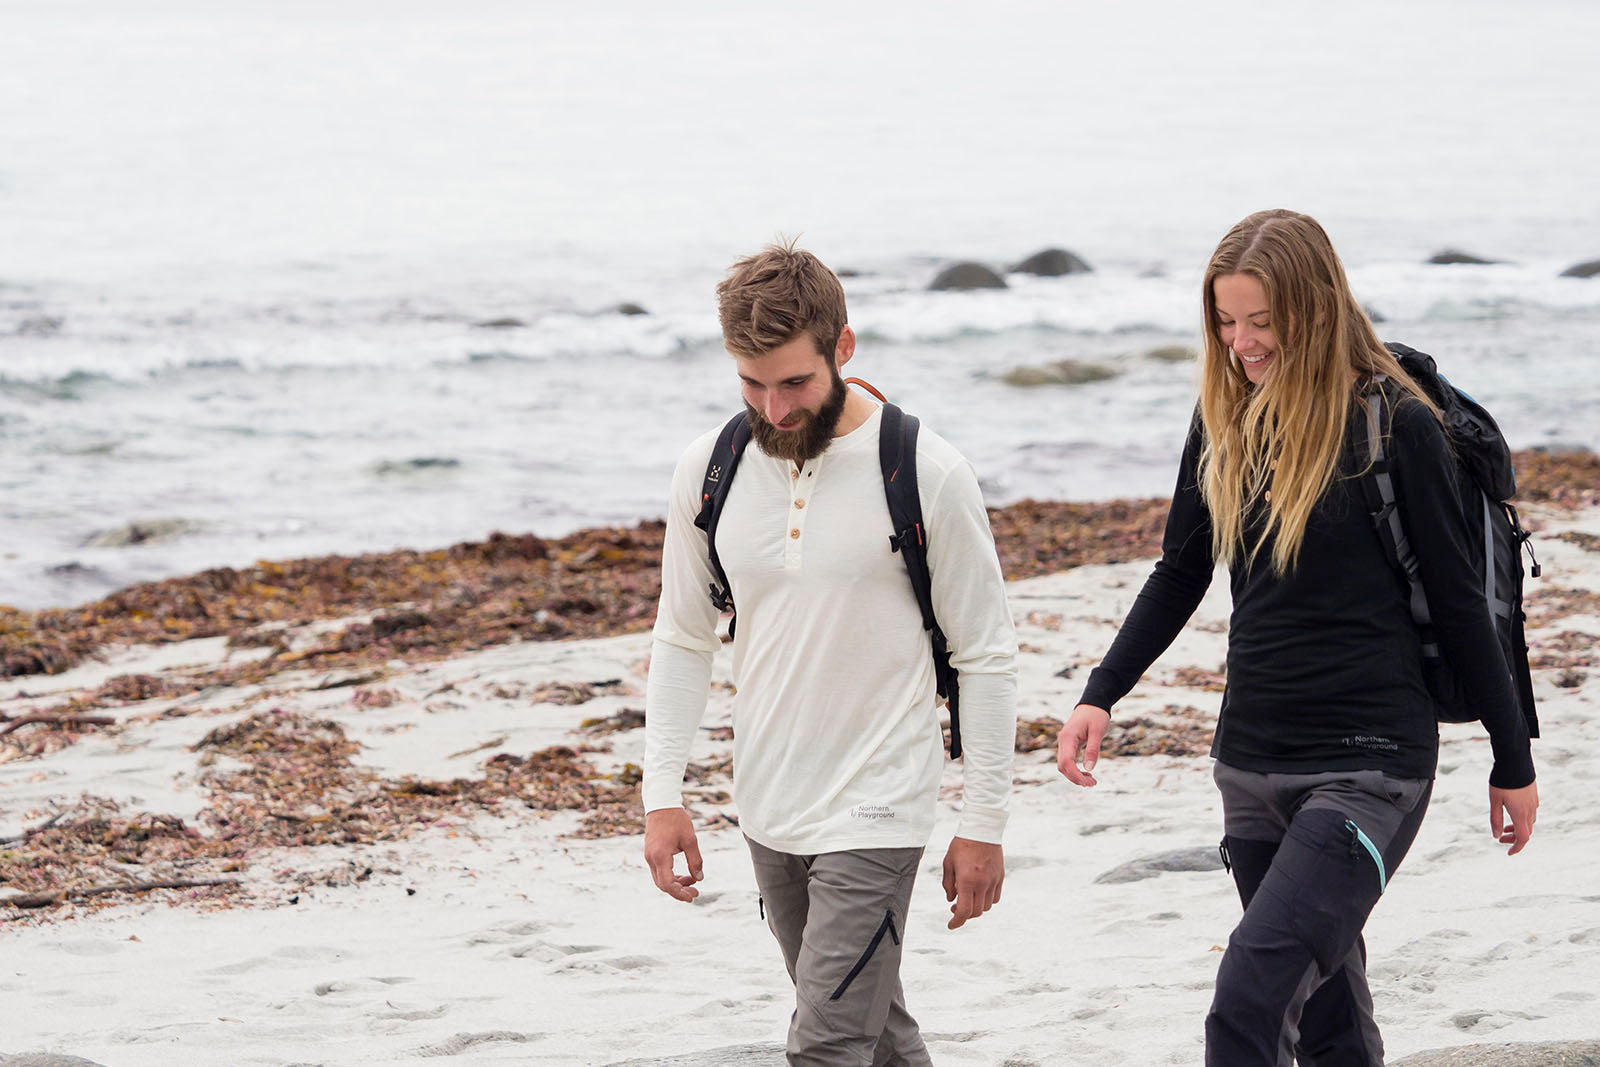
(729, 1056)
(1061, 372)
(847, 273)
(1172, 354)
(1373, 314)
(1562, 448)
(40, 326)
(1183, 859)
(74, 569)
(1454, 255)
(500, 324)
(143, 531)
(1586, 269)
(1051, 263)
(419, 463)
(631, 309)
(46, 1059)
(1510, 1054)
(967, 276)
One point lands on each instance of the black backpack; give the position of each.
(897, 455)
(1487, 483)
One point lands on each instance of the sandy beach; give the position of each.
(464, 920)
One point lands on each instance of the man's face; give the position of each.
(794, 398)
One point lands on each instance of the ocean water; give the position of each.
(247, 255)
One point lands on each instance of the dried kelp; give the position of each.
(280, 780)
(427, 605)
(1179, 731)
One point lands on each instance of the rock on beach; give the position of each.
(731, 1056)
(1061, 372)
(969, 275)
(1204, 858)
(141, 532)
(1052, 263)
(1586, 269)
(1449, 256)
(1514, 1054)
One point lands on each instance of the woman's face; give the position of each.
(1244, 323)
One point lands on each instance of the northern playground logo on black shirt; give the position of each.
(1376, 744)
(872, 811)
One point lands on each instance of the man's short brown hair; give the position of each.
(770, 298)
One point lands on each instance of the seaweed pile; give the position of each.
(428, 605)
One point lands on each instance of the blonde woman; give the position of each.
(1326, 741)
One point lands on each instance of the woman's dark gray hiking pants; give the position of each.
(839, 918)
(1310, 854)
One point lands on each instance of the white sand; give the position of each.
(521, 945)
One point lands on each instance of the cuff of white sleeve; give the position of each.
(982, 824)
(658, 795)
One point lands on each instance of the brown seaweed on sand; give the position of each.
(1179, 731)
(426, 605)
(280, 780)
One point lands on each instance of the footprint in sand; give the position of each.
(1037, 989)
(76, 998)
(545, 952)
(350, 985)
(329, 988)
(317, 953)
(412, 1015)
(90, 948)
(1482, 1022)
(719, 1008)
(459, 1043)
(621, 963)
(504, 932)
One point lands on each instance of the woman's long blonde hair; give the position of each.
(1292, 426)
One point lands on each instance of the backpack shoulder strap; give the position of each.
(724, 461)
(897, 456)
(1377, 485)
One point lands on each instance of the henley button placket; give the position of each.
(795, 519)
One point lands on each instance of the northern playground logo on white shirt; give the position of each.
(872, 811)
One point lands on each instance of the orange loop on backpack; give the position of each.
(868, 386)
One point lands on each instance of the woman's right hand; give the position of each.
(1083, 732)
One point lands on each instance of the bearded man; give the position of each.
(838, 753)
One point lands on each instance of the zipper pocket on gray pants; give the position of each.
(1358, 838)
(885, 927)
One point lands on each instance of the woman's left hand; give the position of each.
(1521, 807)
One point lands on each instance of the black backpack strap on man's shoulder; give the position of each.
(897, 455)
(713, 495)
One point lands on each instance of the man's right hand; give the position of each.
(667, 832)
(1084, 731)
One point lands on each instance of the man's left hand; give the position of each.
(973, 871)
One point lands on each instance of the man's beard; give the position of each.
(809, 439)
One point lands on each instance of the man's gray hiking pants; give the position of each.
(1310, 854)
(839, 918)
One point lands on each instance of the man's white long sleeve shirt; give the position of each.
(837, 742)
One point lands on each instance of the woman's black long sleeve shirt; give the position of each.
(1324, 662)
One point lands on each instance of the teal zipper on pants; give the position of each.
(1377, 857)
